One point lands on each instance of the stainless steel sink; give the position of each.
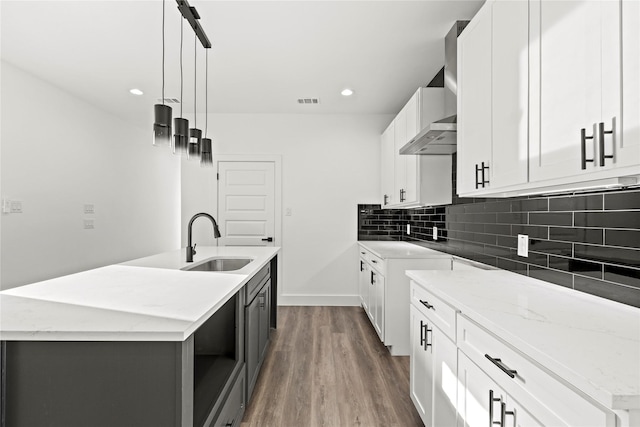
(220, 264)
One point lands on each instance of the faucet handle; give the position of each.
(193, 251)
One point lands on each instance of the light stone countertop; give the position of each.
(591, 342)
(386, 250)
(148, 299)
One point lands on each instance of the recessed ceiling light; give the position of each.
(347, 92)
(136, 92)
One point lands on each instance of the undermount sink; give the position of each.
(220, 264)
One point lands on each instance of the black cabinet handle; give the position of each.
(491, 400)
(583, 148)
(480, 169)
(498, 362)
(374, 261)
(427, 344)
(484, 181)
(386, 199)
(373, 278)
(601, 134)
(504, 413)
(268, 239)
(426, 304)
(402, 193)
(361, 265)
(423, 337)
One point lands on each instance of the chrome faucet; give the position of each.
(191, 251)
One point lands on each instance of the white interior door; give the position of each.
(246, 203)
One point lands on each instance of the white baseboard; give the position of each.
(318, 300)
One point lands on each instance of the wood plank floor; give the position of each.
(327, 367)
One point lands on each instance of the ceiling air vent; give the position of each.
(308, 100)
(169, 100)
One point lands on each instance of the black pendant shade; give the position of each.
(181, 136)
(206, 157)
(195, 138)
(162, 125)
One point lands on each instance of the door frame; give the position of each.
(277, 161)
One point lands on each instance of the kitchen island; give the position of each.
(139, 343)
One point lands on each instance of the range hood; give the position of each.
(440, 136)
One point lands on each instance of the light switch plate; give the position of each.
(523, 245)
(89, 208)
(435, 233)
(16, 206)
(89, 224)
(6, 206)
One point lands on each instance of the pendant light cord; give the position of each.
(195, 80)
(181, 76)
(206, 92)
(163, 1)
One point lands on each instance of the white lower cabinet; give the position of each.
(384, 292)
(432, 370)
(528, 394)
(481, 402)
(464, 375)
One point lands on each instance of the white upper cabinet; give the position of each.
(474, 101)
(548, 97)
(412, 180)
(630, 140)
(387, 166)
(493, 99)
(575, 86)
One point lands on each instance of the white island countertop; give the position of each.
(148, 299)
(591, 342)
(388, 249)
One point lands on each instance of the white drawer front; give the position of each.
(530, 385)
(376, 262)
(436, 310)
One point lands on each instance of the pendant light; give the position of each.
(206, 156)
(181, 137)
(195, 134)
(162, 112)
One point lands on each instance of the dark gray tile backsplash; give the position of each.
(588, 242)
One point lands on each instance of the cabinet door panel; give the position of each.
(379, 289)
(476, 387)
(510, 93)
(474, 99)
(445, 383)
(400, 164)
(630, 139)
(421, 364)
(388, 166)
(568, 81)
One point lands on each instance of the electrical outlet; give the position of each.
(435, 233)
(523, 245)
(408, 228)
(89, 224)
(89, 209)
(287, 212)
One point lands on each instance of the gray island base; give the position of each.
(203, 380)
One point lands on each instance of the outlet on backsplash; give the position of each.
(408, 228)
(435, 233)
(523, 245)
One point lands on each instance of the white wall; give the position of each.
(59, 153)
(330, 163)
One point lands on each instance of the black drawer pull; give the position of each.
(511, 372)
(426, 304)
